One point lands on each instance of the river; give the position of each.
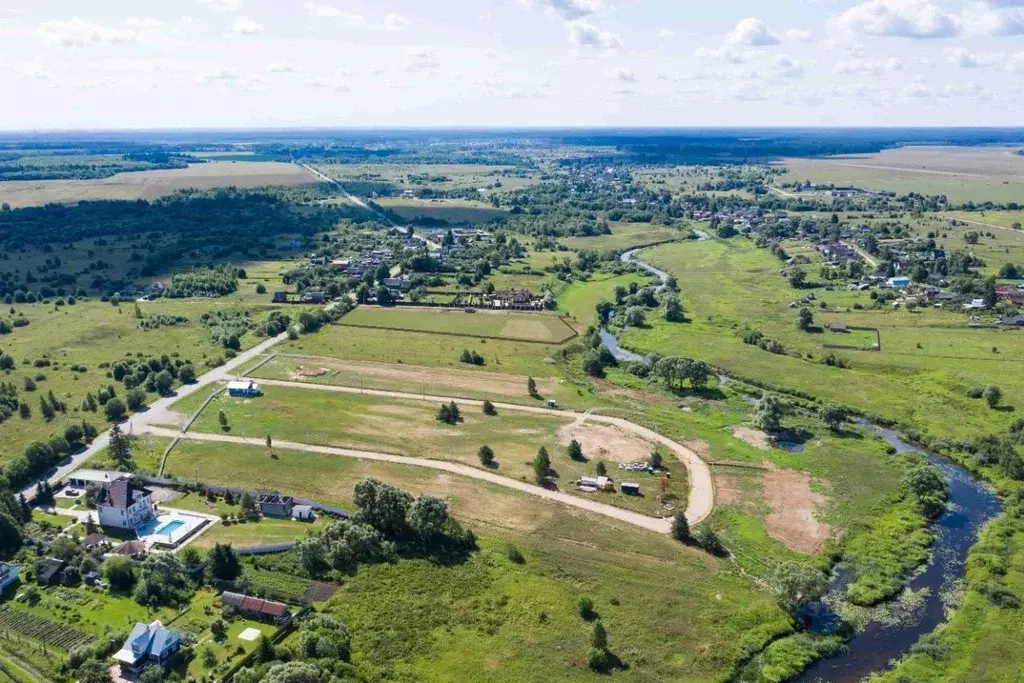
(873, 648)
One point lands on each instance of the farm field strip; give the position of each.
(701, 496)
(511, 326)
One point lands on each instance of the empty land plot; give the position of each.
(433, 176)
(402, 377)
(153, 184)
(624, 236)
(963, 174)
(515, 326)
(455, 211)
(384, 345)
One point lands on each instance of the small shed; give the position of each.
(303, 513)
(551, 403)
(243, 388)
(274, 504)
(51, 572)
(837, 327)
(630, 488)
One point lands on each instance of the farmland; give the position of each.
(967, 174)
(153, 184)
(626, 235)
(506, 326)
(453, 211)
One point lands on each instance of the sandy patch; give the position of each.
(604, 442)
(249, 634)
(727, 489)
(793, 505)
(754, 437)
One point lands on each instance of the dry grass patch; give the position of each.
(605, 442)
(751, 436)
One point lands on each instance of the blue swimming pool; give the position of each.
(154, 527)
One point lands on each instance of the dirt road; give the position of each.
(636, 519)
(702, 492)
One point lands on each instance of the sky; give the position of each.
(116, 64)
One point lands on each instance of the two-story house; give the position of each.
(147, 644)
(123, 505)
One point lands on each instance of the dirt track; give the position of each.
(702, 493)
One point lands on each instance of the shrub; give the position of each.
(515, 555)
(585, 607)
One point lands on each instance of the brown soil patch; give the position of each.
(793, 505)
(754, 437)
(310, 372)
(727, 489)
(606, 442)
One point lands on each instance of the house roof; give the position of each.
(100, 476)
(53, 566)
(130, 548)
(243, 385)
(248, 603)
(232, 599)
(147, 639)
(121, 494)
(94, 539)
(272, 498)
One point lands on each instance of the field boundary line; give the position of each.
(463, 334)
(188, 424)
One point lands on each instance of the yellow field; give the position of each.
(153, 184)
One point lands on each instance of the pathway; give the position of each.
(636, 519)
(702, 493)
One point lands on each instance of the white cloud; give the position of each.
(245, 26)
(1007, 19)
(583, 34)
(281, 68)
(623, 75)
(228, 78)
(327, 83)
(918, 90)
(967, 59)
(77, 33)
(421, 60)
(799, 35)
(665, 33)
(748, 92)
(867, 67)
(331, 12)
(221, 5)
(395, 22)
(784, 66)
(751, 31)
(573, 9)
(901, 18)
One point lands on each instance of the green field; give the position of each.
(511, 326)
(963, 174)
(624, 236)
(929, 358)
(405, 427)
(455, 211)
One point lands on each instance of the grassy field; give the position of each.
(434, 176)
(928, 360)
(153, 184)
(471, 382)
(672, 613)
(963, 174)
(624, 236)
(580, 298)
(405, 427)
(510, 326)
(455, 211)
(93, 332)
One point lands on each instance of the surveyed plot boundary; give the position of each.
(561, 333)
(700, 501)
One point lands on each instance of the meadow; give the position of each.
(153, 184)
(506, 326)
(672, 612)
(454, 211)
(91, 333)
(433, 176)
(929, 358)
(625, 236)
(963, 174)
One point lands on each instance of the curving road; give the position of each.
(702, 493)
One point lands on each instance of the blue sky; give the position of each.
(259, 63)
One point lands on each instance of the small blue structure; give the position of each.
(243, 388)
(899, 281)
(8, 575)
(631, 489)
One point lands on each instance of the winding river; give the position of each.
(874, 647)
